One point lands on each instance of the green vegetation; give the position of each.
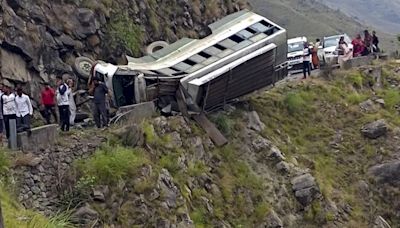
(110, 165)
(14, 214)
(322, 120)
(123, 32)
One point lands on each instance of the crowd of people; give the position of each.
(16, 105)
(362, 46)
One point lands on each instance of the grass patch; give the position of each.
(110, 165)
(16, 216)
(123, 32)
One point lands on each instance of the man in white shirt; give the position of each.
(9, 108)
(24, 111)
(63, 92)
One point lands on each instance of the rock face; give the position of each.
(387, 173)
(41, 38)
(375, 129)
(305, 189)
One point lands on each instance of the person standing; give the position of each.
(367, 42)
(1, 115)
(24, 111)
(63, 103)
(375, 42)
(306, 60)
(99, 103)
(358, 46)
(72, 105)
(9, 108)
(315, 59)
(48, 98)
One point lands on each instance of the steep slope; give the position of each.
(314, 19)
(303, 154)
(306, 17)
(382, 14)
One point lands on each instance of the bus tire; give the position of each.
(155, 46)
(82, 67)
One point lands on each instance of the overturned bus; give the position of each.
(244, 52)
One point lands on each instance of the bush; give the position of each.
(355, 98)
(4, 163)
(122, 32)
(294, 103)
(110, 166)
(356, 79)
(392, 98)
(224, 124)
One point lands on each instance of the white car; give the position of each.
(295, 53)
(329, 53)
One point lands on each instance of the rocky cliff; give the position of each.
(41, 38)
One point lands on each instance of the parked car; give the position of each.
(295, 53)
(244, 52)
(330, 46)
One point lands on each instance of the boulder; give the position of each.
(84, 215)
(368, 106)
(305, 189)
(273, 220)
(375, 129)
(381, 223)
(254, 122)
(131, 135)
(386, 173)
(169, 192)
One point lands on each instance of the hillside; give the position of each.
(314, 19)
(317, 153)
(382, 14)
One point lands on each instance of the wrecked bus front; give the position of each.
(244, 52)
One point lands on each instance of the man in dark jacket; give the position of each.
(99, 103)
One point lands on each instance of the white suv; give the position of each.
(329, 53)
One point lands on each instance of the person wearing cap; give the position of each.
(48, 97)
(24, 111)
(63, 92)
(9, 108)
(100, 91)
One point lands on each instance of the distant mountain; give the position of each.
(381, 14)
(313, 18)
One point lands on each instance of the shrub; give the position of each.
(4, 163)
(170, 162)
(224, 124)
(355, 98)
(356, 79)
(294, 103)
(110, 166)
(392, 98)
(122, 32)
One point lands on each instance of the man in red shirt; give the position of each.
(48, 103)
